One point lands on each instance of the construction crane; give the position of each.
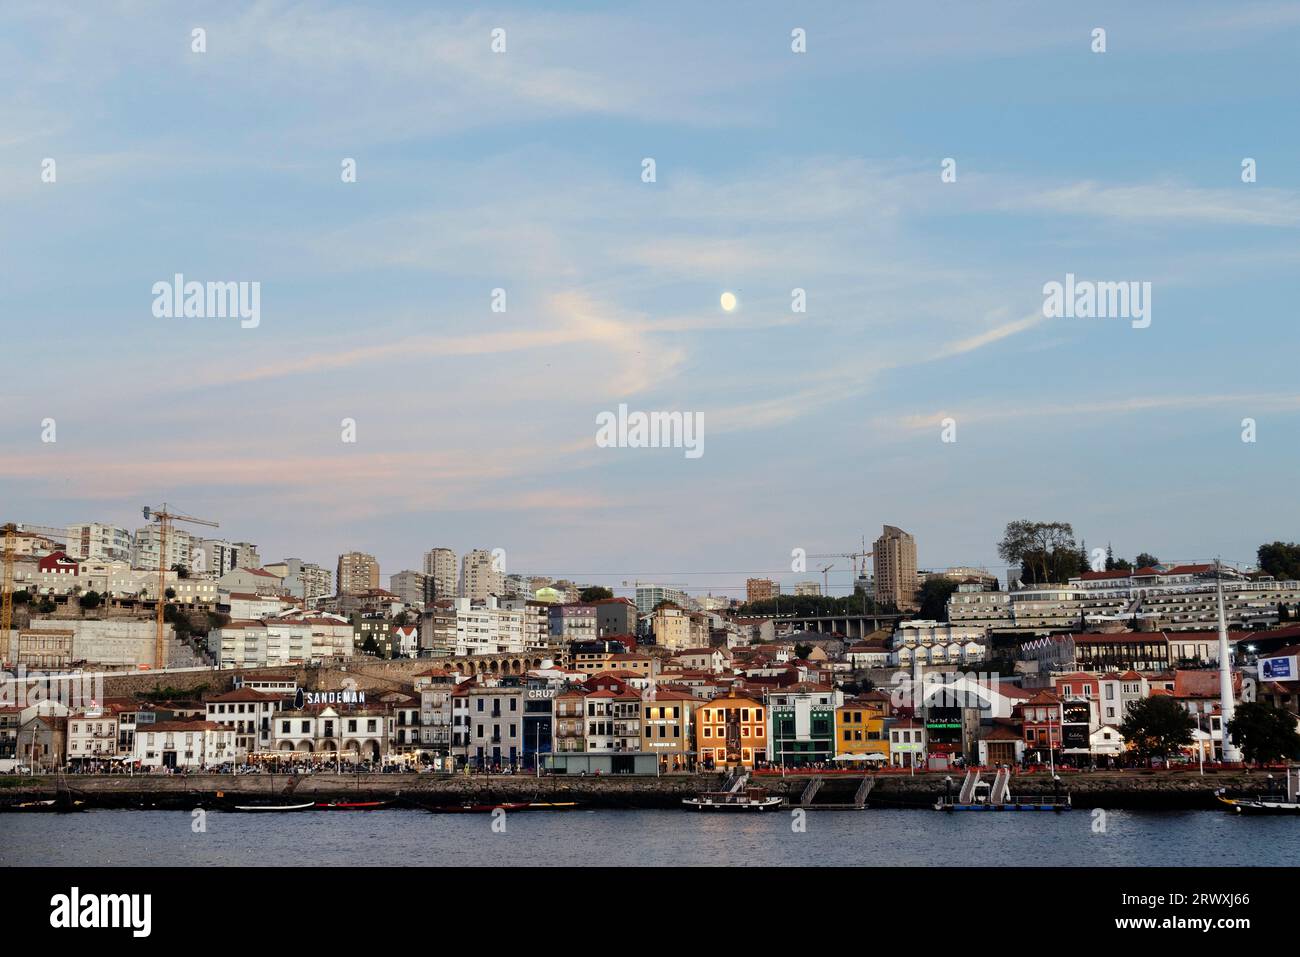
(164, 518)
(11, 532)
(852, 557)
(826, 580)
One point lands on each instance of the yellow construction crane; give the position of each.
(164, 518)
(11, 532)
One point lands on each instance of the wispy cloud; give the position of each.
(1250, 404)
(1170, 203)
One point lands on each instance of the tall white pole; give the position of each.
(1200, 746)
(1228, 750)
(1051, 754)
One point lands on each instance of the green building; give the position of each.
(801, 725)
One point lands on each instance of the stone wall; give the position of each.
(1115, 791)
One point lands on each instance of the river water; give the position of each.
(651, 838)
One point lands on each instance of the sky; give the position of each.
(522, 171)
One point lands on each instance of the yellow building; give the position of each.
(860, 727)
(731, 732)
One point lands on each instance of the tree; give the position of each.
(179, 620)
(46, 605)
(1045, 550)
(181, 571)
(1157, 726)
(370, 646)
(22, 597)
(1145, 560)
(89, 600)
(1017, 541)
(1280, 559)
(595, 593)
(933, 598)
(170, 593)
(802, 651)
(1264, 733)
(1114, 564)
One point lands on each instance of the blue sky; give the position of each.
(774, 171)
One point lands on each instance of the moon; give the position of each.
(728, 301)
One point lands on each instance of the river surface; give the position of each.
(648, 838)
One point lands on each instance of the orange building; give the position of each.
(731, 732)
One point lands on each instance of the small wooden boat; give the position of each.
(745, 799)
(64, 801)
(275, 807)
(351, 805)
(1259, 805)
(33, 806)
(558, 805)
(1288, 803)
(472, 808)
